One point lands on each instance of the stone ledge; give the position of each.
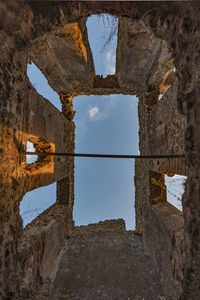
(105, 226)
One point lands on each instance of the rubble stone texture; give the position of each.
(50, 258)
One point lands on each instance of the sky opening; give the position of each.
(102, 34)
(40, 83)
(175, 188)
(104, 188)
(30, 158)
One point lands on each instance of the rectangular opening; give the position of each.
(102, 34)
(104, 188)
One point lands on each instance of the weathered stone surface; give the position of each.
(141, 58)
(65, 58)
(166, 130)
(148, 32)
(93, 254)
(39, 246)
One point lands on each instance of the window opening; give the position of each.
(36, 202)
(175, 186)
(40, 83)
(30, 158)
(104, 188)
(102, 34)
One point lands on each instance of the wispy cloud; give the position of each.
(97, 114)
(93, 112)
(110, 62)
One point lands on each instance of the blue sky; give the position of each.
(104, 188)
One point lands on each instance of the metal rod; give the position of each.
(104, 155)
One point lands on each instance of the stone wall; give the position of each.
(182, 29)
(38, 249)
(104, 261)
(141, 59)
(162, 131)
(65, 58)
(166, 129)
(30, 28)
(24, 115)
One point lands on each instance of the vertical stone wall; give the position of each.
(166, 128)
(65, 58)
(162, 131)
(181, 29)
(13, 80)
(141, 58)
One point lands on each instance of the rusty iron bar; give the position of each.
(105, 155)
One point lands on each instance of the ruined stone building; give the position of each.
(158, 52)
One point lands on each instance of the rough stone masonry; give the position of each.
(158, 52)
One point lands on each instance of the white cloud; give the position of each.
(110, 62)
(93, 112)
(96, 115)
